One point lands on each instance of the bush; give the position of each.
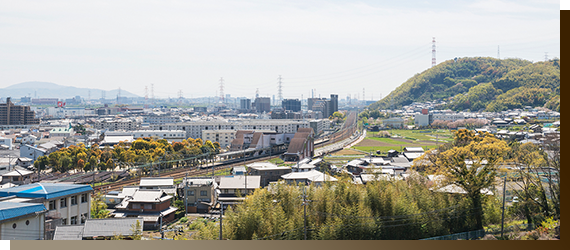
(184, 220)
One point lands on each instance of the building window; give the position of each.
(63, 202)
(83, 218)
(73, 220)
(84, 198)
(73, 200)
(14, 226)
(27, 222)
(52, 205)
(203, 193)
(191, 193)
(64, 221)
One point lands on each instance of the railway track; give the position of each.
(346, 131)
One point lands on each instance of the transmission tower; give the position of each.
(221, 90)
(180, 97)
(363, 94)
(119, 96)
(145, 93)
(152, 93)
(257, 93)
(545, 56)
(103, 94)
(498, 52)
(279, 92)
(88, 95)
(433, 52)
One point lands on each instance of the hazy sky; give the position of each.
(335, 46)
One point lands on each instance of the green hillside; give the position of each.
(482, 83)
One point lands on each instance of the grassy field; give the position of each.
(427, 139)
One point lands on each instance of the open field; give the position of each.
(426, 139)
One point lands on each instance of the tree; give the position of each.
(137, 231)
(470, 162)
(98, 207)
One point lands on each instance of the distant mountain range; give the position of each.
(52, 90)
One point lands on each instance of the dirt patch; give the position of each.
(403, 140)
(347, 152)
(372, 143)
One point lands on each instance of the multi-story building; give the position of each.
(198, 193)
(224, 137)
(160, 119)
(196, 129)
(319, 125)
(69, 203)
(169, 135)
(11, 114)
(262, 104)
(122, 124)
(291, 104)
(245, 104)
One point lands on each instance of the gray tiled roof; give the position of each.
(238, 182)
(68, 233)
(110, 227)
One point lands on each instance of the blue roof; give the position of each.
(45, 190)
(9, 210)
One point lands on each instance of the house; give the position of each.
(158, 183)
(233, 188)
(238, 170)
(32, 152)
(29, 139)
(24, 162)
(308, 178)
(198, 193)
(154, 206)
(268, 171)
(412, 153)
(22, 221)
(17, 176)
(100, 229)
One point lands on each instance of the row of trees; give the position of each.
(141, 151)
(470, 123)
(399, 210)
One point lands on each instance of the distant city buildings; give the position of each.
(11, 114)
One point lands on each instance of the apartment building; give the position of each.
(11, 114)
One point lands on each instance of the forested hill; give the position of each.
(482, 83)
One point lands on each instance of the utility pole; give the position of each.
(221, 213)
(186, 195)
(503, 215)
(305, 213)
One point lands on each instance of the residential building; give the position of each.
(154, 206)
(234, 188)
(11, 114)
(160, 119)
(268, 171)
(165, 184)
(170, 135)
(223, 137)
(312, 177)
(196, 128)
(22, 221)
(262, 104)
(245, 104)
(198, 193)
(18, 176)
(32, 152)
(291, 104)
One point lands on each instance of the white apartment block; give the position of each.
(169, 135)
(161, 119)
(224, 137)
(195, 129)
(448, 117)
(124, 124)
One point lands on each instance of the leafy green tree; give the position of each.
(470, 162)
(98, 207)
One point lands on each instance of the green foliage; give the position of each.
(348, 211)
(137, 231)
(98, 207)
(481, 83)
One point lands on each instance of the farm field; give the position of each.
(427, 139)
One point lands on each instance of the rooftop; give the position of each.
(45, 190)
(9, 210)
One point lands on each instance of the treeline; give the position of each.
(381, 210)
(478, 83)
(141, 151)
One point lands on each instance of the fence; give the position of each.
(479, 233)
